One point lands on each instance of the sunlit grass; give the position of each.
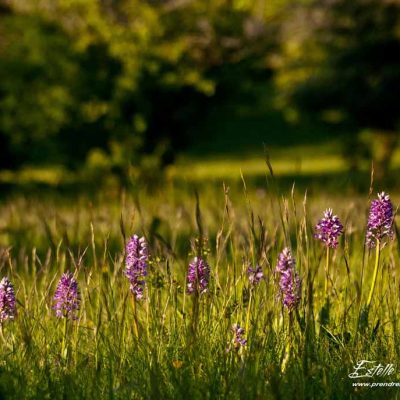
(226, 168)
(51, 175)
(301, 161)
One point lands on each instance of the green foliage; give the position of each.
(344, 68)
(34, 103)
(49, 95)
(77, 75)
(345, 62)
(138, 81)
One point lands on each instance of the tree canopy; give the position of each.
(127, 81)
(124, 78)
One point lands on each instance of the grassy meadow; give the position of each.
(172, 345)
(167, 174)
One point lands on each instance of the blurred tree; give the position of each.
(126, 79)
(341, 60)
(50, 92)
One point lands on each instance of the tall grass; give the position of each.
(176, 347)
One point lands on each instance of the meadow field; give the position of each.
(198, 199)
(226, 331)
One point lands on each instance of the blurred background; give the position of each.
(134, 91)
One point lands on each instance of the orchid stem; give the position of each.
(64, 339)
(327, 273)
(248, 312)
(377, 256)
(135, 322)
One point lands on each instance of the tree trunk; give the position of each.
(383, 146)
